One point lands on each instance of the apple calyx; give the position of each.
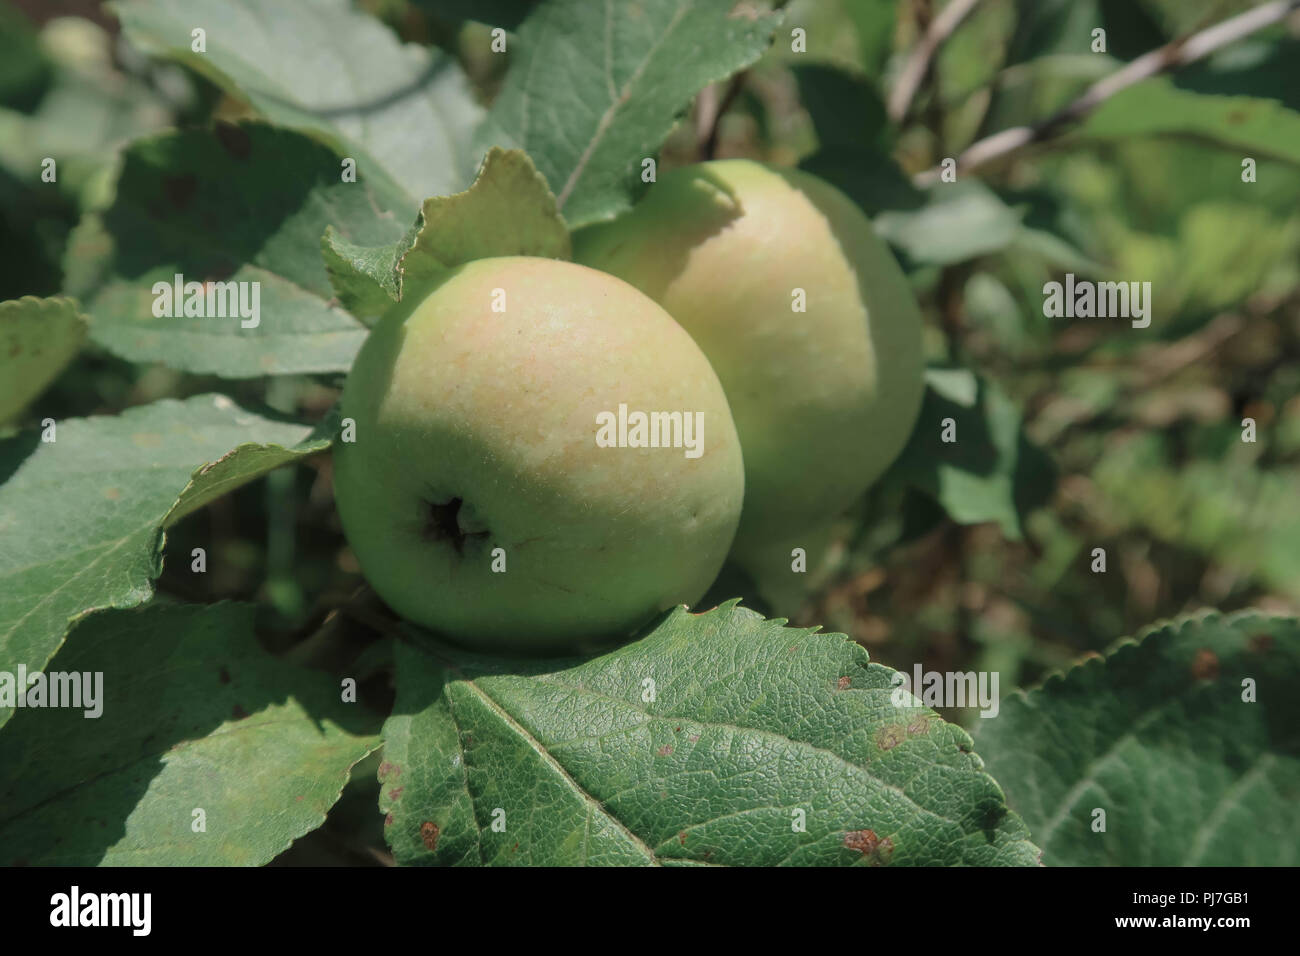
(442, 523)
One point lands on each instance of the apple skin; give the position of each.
(823, 400)
(476, 430)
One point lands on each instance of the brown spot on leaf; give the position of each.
(745, 10)
(234, 139)
(681, 837)
(395, 793)
(864, 841)
(387, 769)
(112, 494)
(238, 713)
(693, 737)
(868, 844)
(180, 190)
(1205, 665)
(665, 750)
(429, 834)
(388, 819)
(887, 738)
(1237, 117)
(918, 726)
(844, 683)
(1261, 643)
(15, 350)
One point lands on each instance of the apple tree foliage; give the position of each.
(714, 738)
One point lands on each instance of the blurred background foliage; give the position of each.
(1101, 436)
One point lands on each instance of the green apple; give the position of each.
(498, 489)
(824, 398)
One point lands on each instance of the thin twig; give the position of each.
(1173, 55)
(918, 63)
(709, 118)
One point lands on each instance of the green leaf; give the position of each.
(591, 94)
(872, 179)
(1158, 108)
(1046, 27)
(1263, 65)
(991, 472)
(239, 204)
(194, 716)
(875, 21)
(366, 280)
(1029, 93)
(1157, 734)
(846, 110)
(404, 112)
(853, 140)
(708, 741)
(962, 220)
(82, 516)
(508, 211)
(38, 338)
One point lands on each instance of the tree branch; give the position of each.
(1173, 55)
(918, 63)
(711, 106)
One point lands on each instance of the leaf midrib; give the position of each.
(593, 805)
(607, 118)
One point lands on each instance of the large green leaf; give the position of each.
(38, 338)
(706, 742)
(243, 204)
(404, 112)
(194, 716)
(1156, 107)
(1159, 735)
(508, 211)
(1265, 65)
(82, 516)
(593, 91)
(853, 143)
